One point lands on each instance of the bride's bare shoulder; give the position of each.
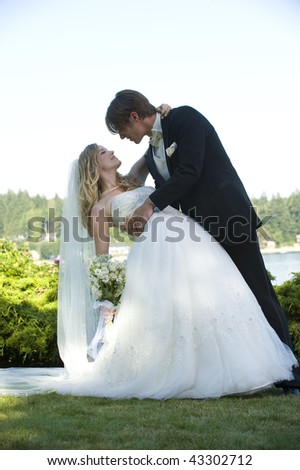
(101, 208)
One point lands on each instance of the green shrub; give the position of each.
(28, 308)
(289, 296)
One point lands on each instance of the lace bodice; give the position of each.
(124, 204)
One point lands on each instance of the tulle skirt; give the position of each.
(188, 326)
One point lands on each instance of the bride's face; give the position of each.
(107, 159)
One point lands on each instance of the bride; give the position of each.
(188, 325)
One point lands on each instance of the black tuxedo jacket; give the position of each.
(203, 182)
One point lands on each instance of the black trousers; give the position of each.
(249, 260)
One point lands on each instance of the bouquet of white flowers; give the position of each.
(107, 277)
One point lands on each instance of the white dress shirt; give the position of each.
(159, 154)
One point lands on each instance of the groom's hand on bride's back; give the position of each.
(135, 224)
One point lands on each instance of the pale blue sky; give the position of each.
(62, 61)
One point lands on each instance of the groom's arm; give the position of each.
(189, 129)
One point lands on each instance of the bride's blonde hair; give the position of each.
(89, 182)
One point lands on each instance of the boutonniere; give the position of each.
(170, 150)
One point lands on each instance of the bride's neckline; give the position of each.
(130, 192)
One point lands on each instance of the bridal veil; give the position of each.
(77, 319)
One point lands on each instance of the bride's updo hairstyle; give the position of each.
(89, 183)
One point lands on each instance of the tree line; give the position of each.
(283, 213)
(20, 211)
(22, 214)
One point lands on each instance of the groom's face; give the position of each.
(134, 129)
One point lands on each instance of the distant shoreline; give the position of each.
(280, 250)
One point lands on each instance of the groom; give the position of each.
(192, 172)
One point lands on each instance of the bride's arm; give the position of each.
(139, 170)
(101, 223)
(163, 109)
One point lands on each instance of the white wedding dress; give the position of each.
(188, 325)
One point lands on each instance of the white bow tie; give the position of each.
(155, 138)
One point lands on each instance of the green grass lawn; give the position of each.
(267, 420)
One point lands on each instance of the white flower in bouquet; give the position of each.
(107, 278)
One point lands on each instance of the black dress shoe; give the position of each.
(291, 391)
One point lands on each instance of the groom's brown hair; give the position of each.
(124, 103)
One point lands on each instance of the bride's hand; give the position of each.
(164, 110)
(108, 313)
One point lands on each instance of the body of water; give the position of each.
(281, 265)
